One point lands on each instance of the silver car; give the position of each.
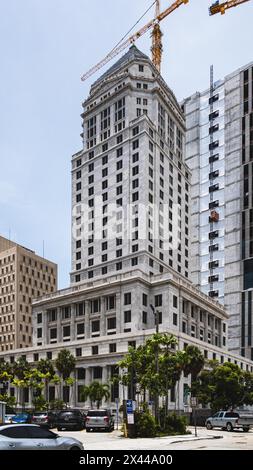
(33, 437)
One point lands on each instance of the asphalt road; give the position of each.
(206, 440)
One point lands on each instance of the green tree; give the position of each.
(193, 363)
(155, 367)
(96, 392)
(226, 386)
(20, 369)
(65, 363)
(45, 366)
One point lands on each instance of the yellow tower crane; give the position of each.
(218, 7)
(156, 48)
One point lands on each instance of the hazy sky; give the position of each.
(45, 46)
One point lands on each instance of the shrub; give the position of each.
(175, 424)
(145, 424)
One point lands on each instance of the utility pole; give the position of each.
(156, 315)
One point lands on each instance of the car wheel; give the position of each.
(209, 426)
(246, 429)
(87, 430)
(59, 429)
(229, 427)
(74, 448)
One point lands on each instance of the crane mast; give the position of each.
(222, 7)
(156, 48)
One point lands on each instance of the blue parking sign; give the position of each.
(129, 406)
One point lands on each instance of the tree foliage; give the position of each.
(96, 392)
(225, 386)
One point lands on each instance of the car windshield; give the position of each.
(40, 413)
(68, 413)
(21, 415)
(97, 413)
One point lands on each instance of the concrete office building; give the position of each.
(130, 186)
(99, 320)
(219, 152)
(23, 276)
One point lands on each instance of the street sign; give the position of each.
(130, 418)
(129, 406)
(194, 401)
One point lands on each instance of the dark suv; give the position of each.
(71, 420)
(46, 419)
(99, 419)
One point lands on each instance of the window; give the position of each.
(127, 298)
(111, 323)
(39, 318)
(127, 316)
(81, 373)
(97, 373)
(80, 329)
(158, 300)
(174, 301)
(94, 350)
(144, 317)
(112, 348)
(95, 326)
(144, 300)
(53, 334)
(39, 333)
(174, 319)
(78, 353)
(66, 331)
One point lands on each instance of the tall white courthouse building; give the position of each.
(130, 238)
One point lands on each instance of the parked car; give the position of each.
(99, 419)
(229, 420)
(46, 419)
(8, 418)
(33, 437)
(71, 420)
(22, 418)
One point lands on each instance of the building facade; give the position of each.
(130, 185)
(98, 321)
(219, 151)
(23, 277)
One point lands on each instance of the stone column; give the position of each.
(188, 309)
(197, 322)
(119, 315)
(59, 328)
(103, 325)
(72, 323)
(45, 331)
(87, 319)
(206, 327)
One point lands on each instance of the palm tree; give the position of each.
(45, 366)
(194, 362)
(65, 364)
(96, 393)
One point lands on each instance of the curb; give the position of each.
(197, 439)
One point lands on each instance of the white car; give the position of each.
(33, 437)
(8, 418)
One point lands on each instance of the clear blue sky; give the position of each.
(45, 46)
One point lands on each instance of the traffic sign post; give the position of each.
(194, 404)
(130, 409)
